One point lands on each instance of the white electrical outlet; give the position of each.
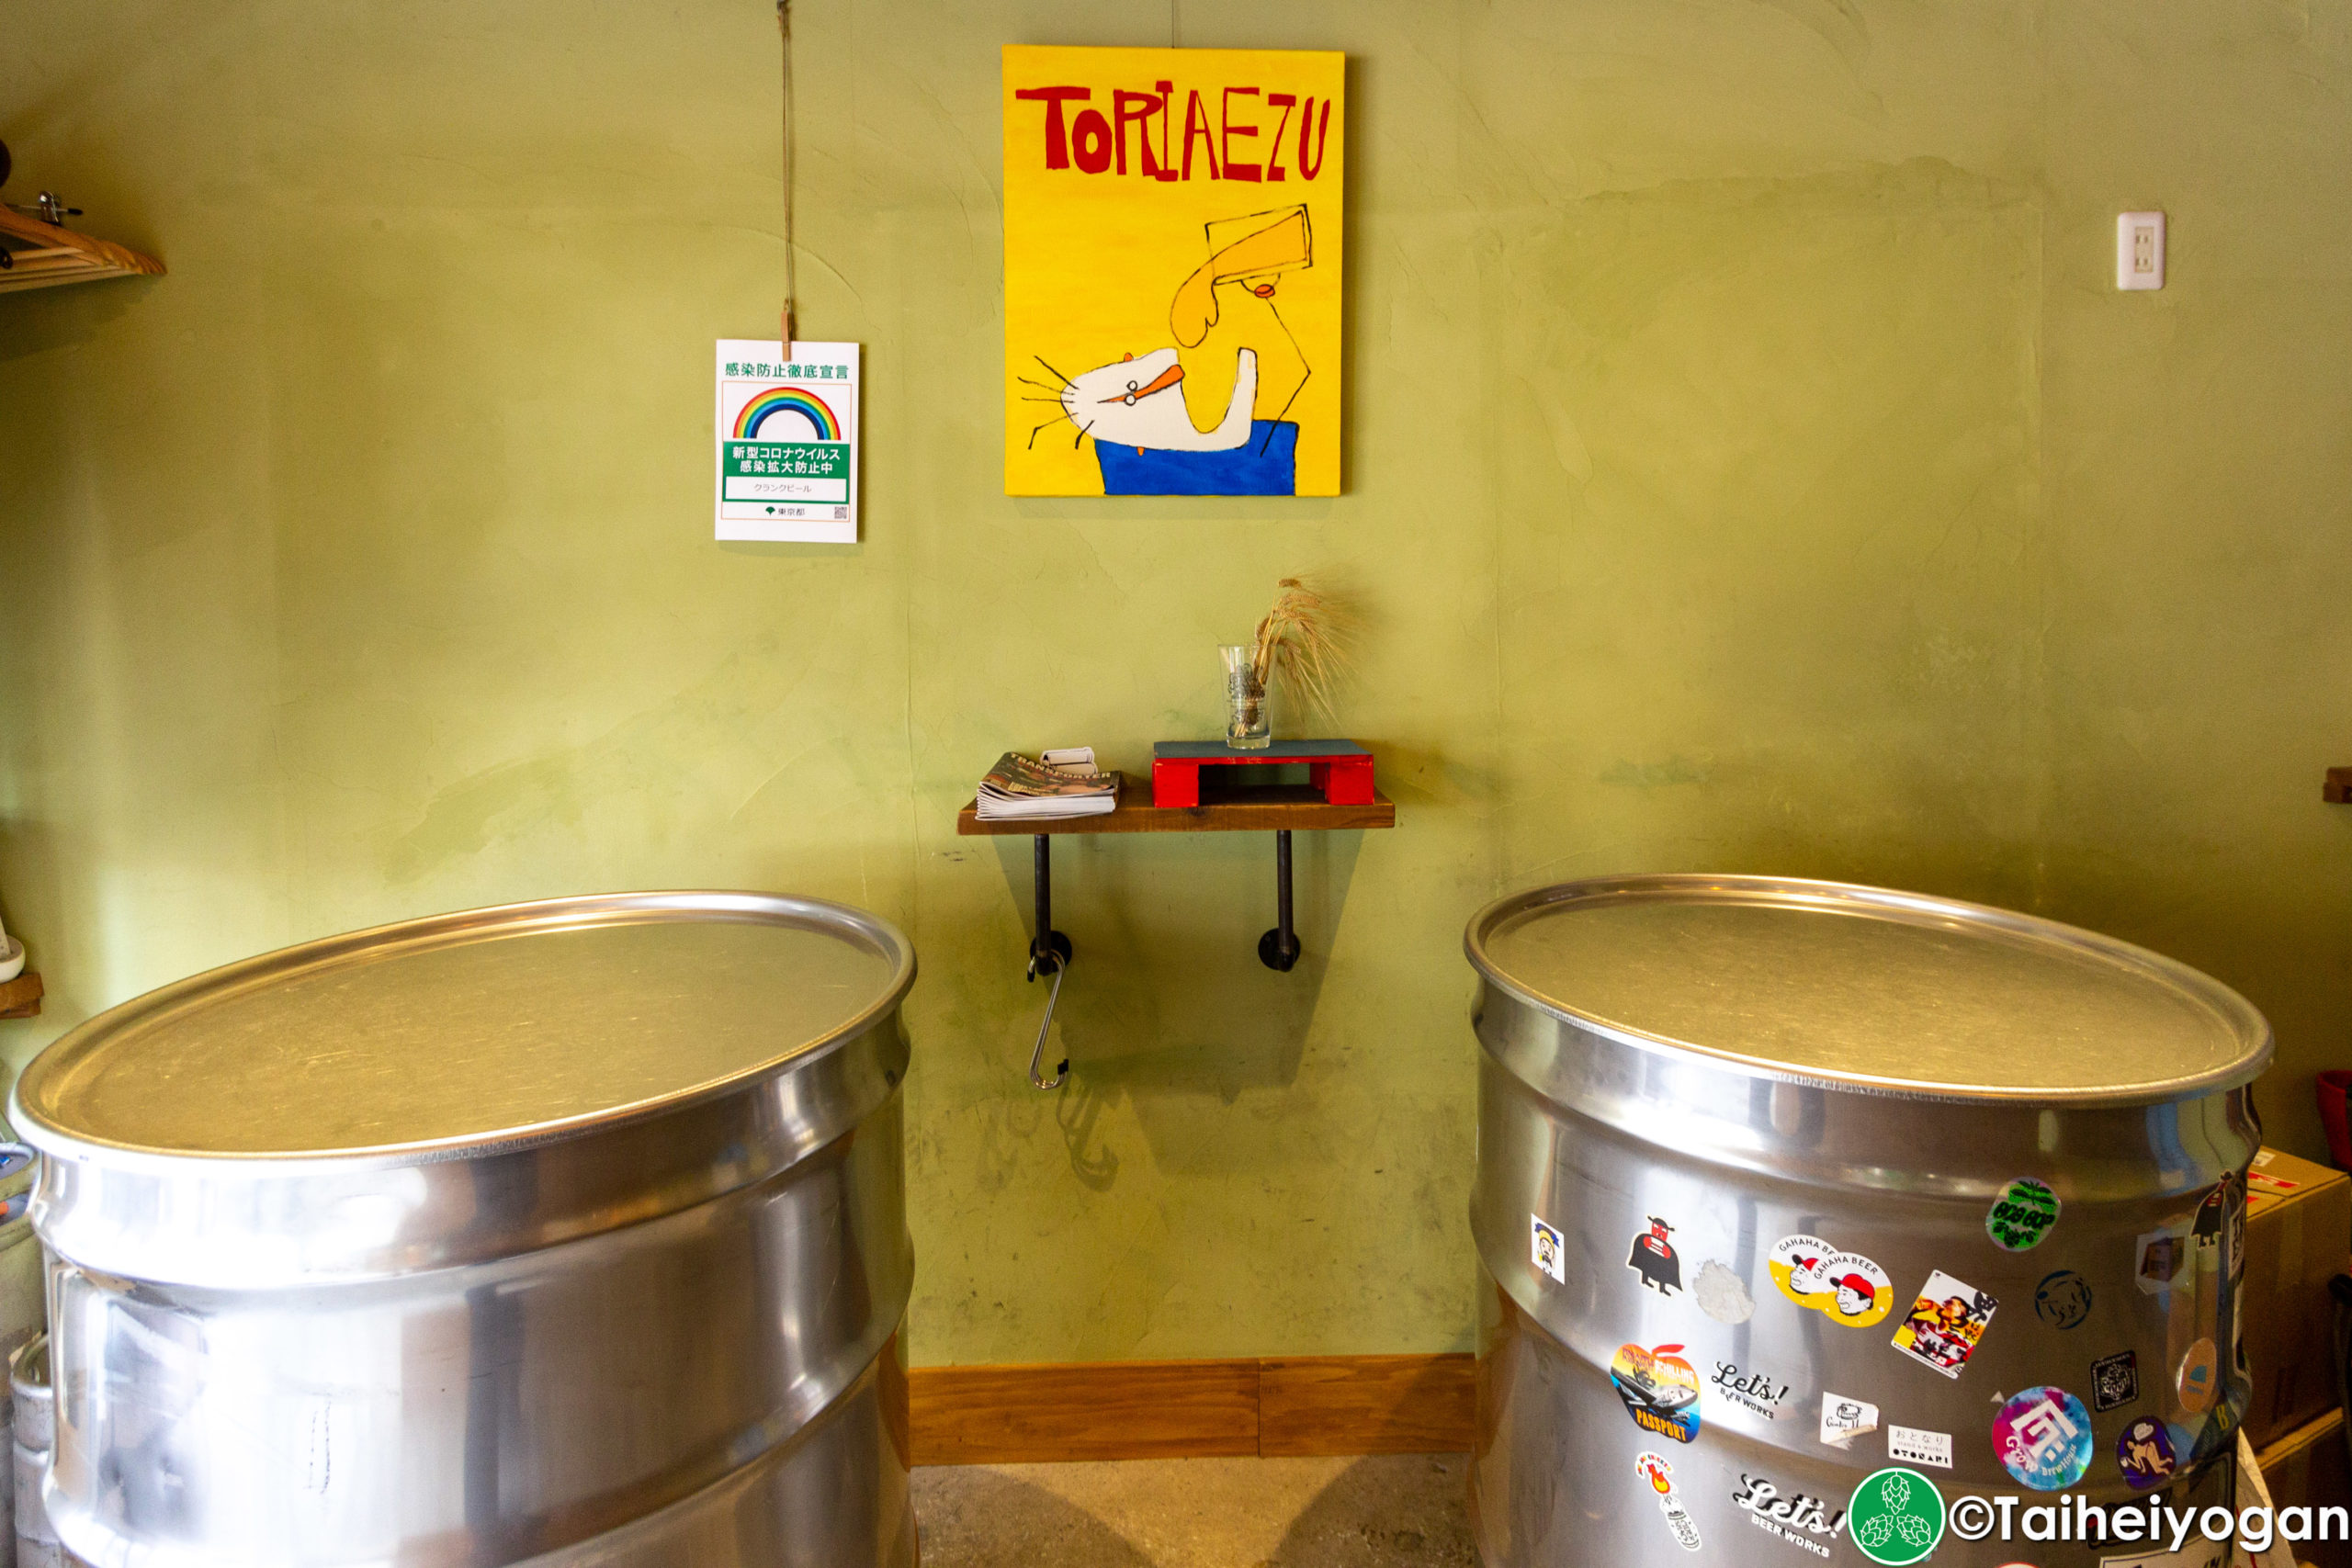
(2140, 250)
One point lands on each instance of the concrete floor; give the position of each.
(1388, 1511)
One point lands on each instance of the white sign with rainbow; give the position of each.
(786, 433)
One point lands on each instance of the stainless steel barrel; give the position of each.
(22, 1306)
(23, 1303)
(569, 1232)
(1818, 1221)
(33, 1431)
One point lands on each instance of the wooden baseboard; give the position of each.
(1366, 1404)
(2299, 1442)
(1102, 1410)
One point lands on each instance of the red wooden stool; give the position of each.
(1340, 771)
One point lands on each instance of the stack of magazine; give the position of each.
(1054, 784)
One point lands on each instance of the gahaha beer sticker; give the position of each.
(1945, 1323)
(2044, 1437)
(1660, 1388)
(1845, 1287)
(1660, 1475)
(2021, 1215)
(1654, 1260)
(1896, 1516)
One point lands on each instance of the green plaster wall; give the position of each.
(1751, 467)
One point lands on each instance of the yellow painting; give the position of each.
(1171, 271)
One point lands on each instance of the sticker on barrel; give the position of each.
(2062, 1300)
(1916, 1445)
(1546, 1251)
(2043, 1439)
(1660, 1388)
(2212, 1221)
(1896, 1516)
(2199, 1378)
(2021, 1215)
(2145, 1453)
(2115, 1381)
(1798, 1517)
(1946, 1323)
(2158, 1259)
(1654, 1469)
(1750, 1390)
(1844, 1287)
(1654, 1258)
(1722, 1295)
(1844, 1418)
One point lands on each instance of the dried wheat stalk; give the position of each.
(1300, 641)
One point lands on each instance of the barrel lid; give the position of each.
(1865, 989)
(459, 1033)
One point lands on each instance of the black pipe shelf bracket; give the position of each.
(1278, 949)
(1278, 809)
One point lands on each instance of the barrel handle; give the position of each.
(1037, 1056)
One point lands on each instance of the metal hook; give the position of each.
(1037, 1056)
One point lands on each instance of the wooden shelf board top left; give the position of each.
(42, 256)
(20, 998)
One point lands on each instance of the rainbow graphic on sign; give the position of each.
(786, 399)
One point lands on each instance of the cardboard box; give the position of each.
(2298, 1237)
(2307, 1469)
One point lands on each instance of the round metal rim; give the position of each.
(1916, 908)
(529, 917)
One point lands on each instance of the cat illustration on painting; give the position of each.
(1140, 403)
(1134, 408)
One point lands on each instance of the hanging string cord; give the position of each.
(784, 28)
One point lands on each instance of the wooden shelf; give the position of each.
(1266, 809)
(20, 998)
(2337, 791)
(1278, 809)
(43, 255)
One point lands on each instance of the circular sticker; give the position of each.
(2044, 1437)
(2064, 1299)
(2021, 1215)
(1660, 1388)
(1845, 1287)
(2199, 1378)
(2145, 1453)
(1896, 1516)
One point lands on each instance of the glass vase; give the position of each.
(1249, 724)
